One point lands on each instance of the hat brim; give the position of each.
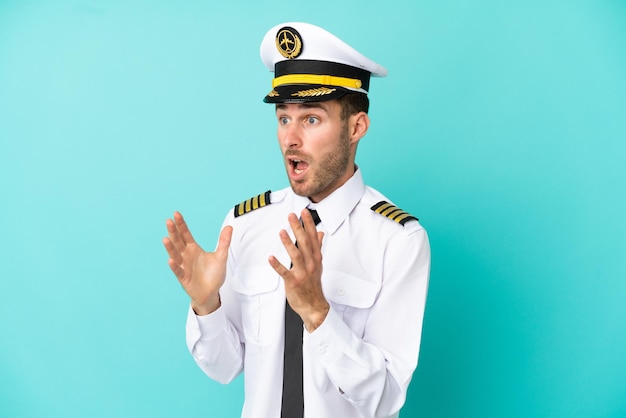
(304, 93)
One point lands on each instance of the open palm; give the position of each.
(201, 273)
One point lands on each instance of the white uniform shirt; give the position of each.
(359, 362)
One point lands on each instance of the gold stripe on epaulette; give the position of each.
(392, 212)
(253, 203)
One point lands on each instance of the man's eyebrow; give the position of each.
(309, 105)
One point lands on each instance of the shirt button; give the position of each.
(321, 349)
(341, 292)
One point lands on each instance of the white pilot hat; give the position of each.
(313, 65)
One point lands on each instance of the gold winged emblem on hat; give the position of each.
(288, 42)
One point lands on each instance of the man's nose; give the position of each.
(291, 136)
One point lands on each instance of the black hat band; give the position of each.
(316, 72)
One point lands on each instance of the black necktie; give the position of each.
(293, 399)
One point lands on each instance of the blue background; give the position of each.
(502, 125)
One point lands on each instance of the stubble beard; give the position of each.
(330, 168)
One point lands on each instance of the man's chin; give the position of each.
(299, 189)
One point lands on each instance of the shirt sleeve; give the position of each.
(214, 346)
(214, 340)
(373, 372)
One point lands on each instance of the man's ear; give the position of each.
(359, 124)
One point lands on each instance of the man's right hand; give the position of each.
(200, 273)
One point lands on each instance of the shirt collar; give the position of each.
(335, 208)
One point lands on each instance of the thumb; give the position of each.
(223, 242)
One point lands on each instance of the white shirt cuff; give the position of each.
(329, 341)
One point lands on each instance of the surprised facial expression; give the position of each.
(316, 147)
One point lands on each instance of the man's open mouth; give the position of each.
(298, 165)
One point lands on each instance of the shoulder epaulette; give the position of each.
(392, 212)
(253, 203)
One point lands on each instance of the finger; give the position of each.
(309, 226)
(172, 251)
(290, 246)
(320, 238)
(279, 268)
(174, 235)
(318, 252)
(183, 229)
(294, 223)
(308, 241)
(176, 269)
(298, 231)
(223, 242)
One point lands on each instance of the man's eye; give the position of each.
(312, 120)
(283, 120)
